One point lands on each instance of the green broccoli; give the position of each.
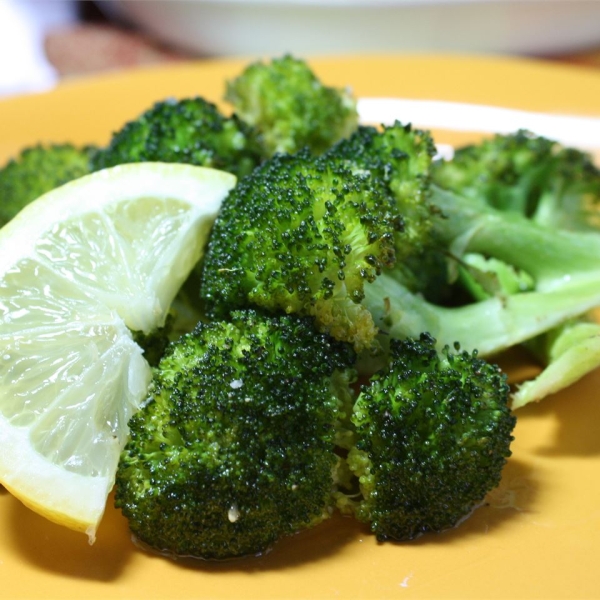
(38, 170)
(563, 266)
(290, 108)
(567, 353)
(320, 236)
(191, 130)
(549, 184)
(155, 343)
(302, 235)
(236, 446)
(433, 432)
(530, 175)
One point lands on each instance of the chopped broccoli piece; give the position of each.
(557, 187)
(433, 432)
(191, 131)
(400, 156)
(302, 235)
(562, 265)
(319, 236)
(530, 175)
(235, 447)
(290, 108)
(568, 352)
(38, 170)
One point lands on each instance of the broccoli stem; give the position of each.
(488, 326)
(552, 258)
(568, 352)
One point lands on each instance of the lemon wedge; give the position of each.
(80, 268)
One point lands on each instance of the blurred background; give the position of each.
(45, 41)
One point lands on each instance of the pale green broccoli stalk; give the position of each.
(433, 431)
(551, 185)
(568, 352)
(489, 326)
(38, 170)
(236, 445)
(290, 108)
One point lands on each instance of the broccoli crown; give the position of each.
(290, 108)
(302, 235)
(38, 170)
(191, 131)
(235, 447)
(527, 174)
(400, 156)
(433, 433)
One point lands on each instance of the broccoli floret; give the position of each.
(563, 266)
(557, 187)
(319, 236)
(191, 131)
(235, 447)
(38, 170)
(433, 432)
(290, 108)
(530, 175)
(302, 235)
(401, 156)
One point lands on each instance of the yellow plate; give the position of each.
(539, 535)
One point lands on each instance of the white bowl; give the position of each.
(308, 27)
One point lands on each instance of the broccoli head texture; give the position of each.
(400, 156)
(290, 108)
(302, 235)
(235, 447)
(433, 433)
(190, 130)
(528, 174)
(38, 170)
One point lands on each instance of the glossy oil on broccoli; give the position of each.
(433, 431)
(190, 130)
(235, 447)
(290, 108)
(38, 170)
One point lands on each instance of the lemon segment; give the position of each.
(79, 269)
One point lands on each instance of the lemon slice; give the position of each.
(79, 268)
